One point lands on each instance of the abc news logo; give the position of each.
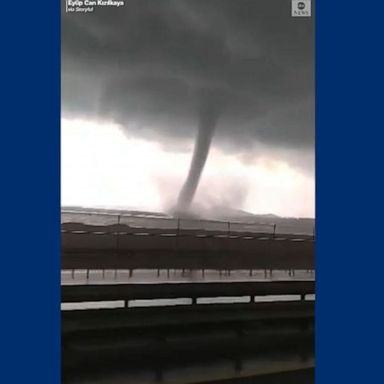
(301, 8)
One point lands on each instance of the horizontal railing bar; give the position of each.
(98, 292)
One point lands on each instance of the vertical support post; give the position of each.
(117, 241)
(118, 235)
(274, 230)
(177, 240)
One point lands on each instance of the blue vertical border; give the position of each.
(349, 201)
(30, 192)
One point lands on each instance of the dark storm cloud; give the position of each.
(146, 65)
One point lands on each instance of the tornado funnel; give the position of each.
(207, 121)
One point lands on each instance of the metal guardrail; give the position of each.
(194, 291)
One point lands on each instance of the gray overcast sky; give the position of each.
(149, 64)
